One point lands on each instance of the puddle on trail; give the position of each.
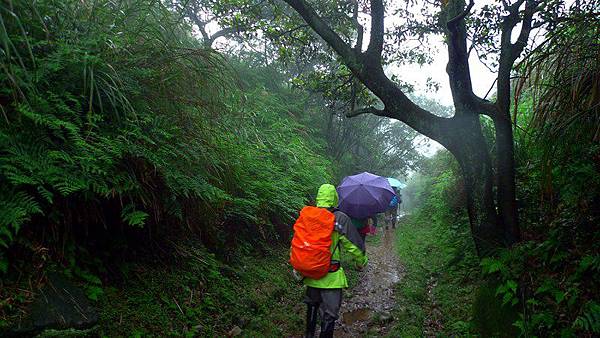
(391, 277)
(351, 317)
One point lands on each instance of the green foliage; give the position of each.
(362, 143)
(16, 209)
(589, 320)
(553, 275)
(435, 246)
(205, 297)
(547, 285)
(122, 134)
(120, 108)
(492, 318)
(133, 217)
(555, 269)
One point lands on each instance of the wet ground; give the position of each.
(367, 308)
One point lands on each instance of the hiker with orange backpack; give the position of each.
(320, 233)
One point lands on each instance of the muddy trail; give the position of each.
(367, 308)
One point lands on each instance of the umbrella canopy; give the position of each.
(395, 183)
(364, 195)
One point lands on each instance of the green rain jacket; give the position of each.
(344, 234)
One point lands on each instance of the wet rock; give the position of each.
(59, 304)
(236, 331)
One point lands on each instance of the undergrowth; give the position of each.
(202, 296)
(122, 131)
(431, 267)
(441, 266)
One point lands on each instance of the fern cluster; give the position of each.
(115, 105)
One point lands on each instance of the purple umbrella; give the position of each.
(364, 195)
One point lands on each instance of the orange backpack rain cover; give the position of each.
(310, 254)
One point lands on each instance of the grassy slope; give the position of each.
(427, 250)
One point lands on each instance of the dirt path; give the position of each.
(367, 308)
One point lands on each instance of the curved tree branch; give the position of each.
(457, 68)
(349, 56)
(367, 110)
(223, 32)
(452, 23)
(369, 70)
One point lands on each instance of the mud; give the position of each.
(367, 308)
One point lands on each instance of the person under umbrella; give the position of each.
(362, 196)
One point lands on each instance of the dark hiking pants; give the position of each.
(328, 302)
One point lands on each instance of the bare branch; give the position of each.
(332, 38)
(290, 31)
(223, 32)
(454, 21)
(457, 68)
(526, 26)
(367, 110)
(509, 52)
(515, 7)
(359, 28)
(377, 31)
(490, 90)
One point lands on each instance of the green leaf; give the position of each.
(94, 292)
(512, 285)
(559, 296)
(3, 264)
(134, 217)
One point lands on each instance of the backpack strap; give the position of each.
(335, 264)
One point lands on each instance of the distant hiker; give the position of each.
(320, 233)
(365, 226)
(391, 215)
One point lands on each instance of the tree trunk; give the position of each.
(505, 167)
(472, 154)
